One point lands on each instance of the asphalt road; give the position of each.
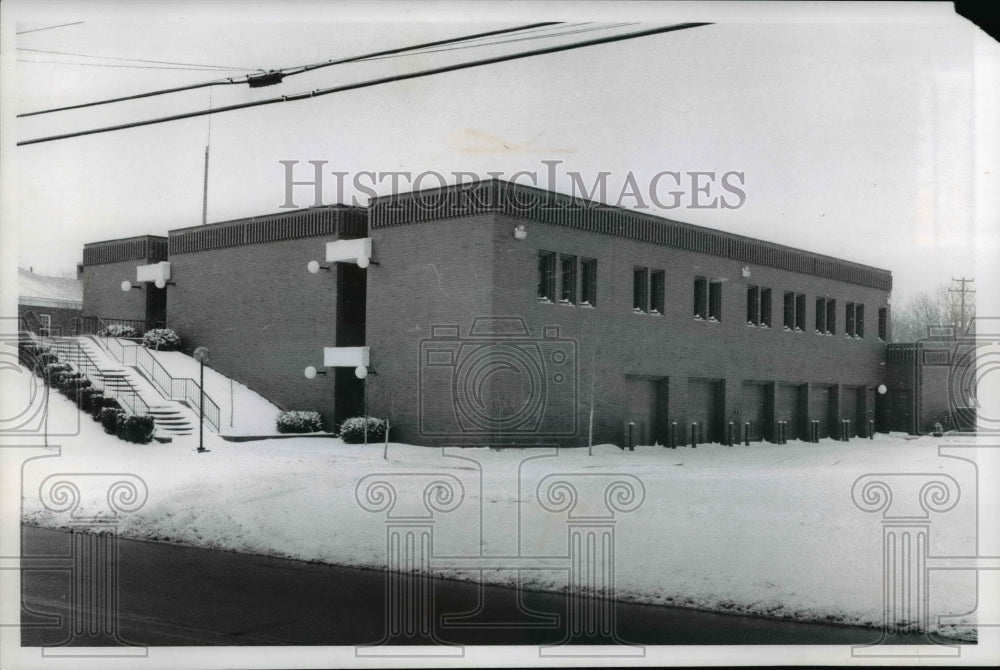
(170, 595)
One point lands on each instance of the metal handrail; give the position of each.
(131, 398)
(138, 356)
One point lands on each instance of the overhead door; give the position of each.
(755, 409)
(788, 407)
(705, 408)
(822, 408)
(849, 410)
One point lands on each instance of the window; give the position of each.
(546, 276)
(758, 306)
(821, 315)
(44, 325)
(700, 298)
(883, 324)
(567, 273)
(588, 282)
(753, 305)
(831, 317)
(854, 320)
(715, 301)
(657, 286)
(640, 298)
(795, 311)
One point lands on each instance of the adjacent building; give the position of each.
(48, 304)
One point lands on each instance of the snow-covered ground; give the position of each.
(764, 529)
(241, 410)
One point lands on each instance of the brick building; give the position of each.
(501, 314)
(48, 304)
(105, 266)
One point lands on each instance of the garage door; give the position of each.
(705, 408)
(823, 408)
(788, 407)
(854, 410)
(755, 409)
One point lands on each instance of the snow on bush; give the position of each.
(299, 422)
(162, 339)
(136, 428)
(109, 418)
(352, 431)
(99, 403)
(119, 330)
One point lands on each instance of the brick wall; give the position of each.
(263, 316)
(103, 296)
(452, 270)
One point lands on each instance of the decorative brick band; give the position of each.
(341, 221)
(562, 210)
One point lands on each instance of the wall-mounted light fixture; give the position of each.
(745, 271)
(127, 286)
(312, 372)
(315, 266)
(520, 232)
(882, 389)
(358, 251)
(343, 357)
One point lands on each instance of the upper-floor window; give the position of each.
(883, 324)
(700, 298)
(753, 305)
(795, 311)
(546, 276)
(657, 291)
(567, 275)
(854, 320)
(715, 301)
(831, 316)
(561, 278)
(758, 306)
(640, 289)
(821, 315)
(588, 282)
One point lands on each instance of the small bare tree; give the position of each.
(938, 307)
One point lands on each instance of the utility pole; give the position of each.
(962, 291)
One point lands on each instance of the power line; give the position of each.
(135, 60)
(520, 39)
(61, 25)
(374, 82)
(134, 67)
(245, 79)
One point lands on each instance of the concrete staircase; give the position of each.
(85, 354)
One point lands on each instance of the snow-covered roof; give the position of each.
(34, 289)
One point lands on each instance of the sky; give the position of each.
(854, 139)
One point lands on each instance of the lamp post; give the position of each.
(201, 355)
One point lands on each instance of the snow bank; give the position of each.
(766, 529)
